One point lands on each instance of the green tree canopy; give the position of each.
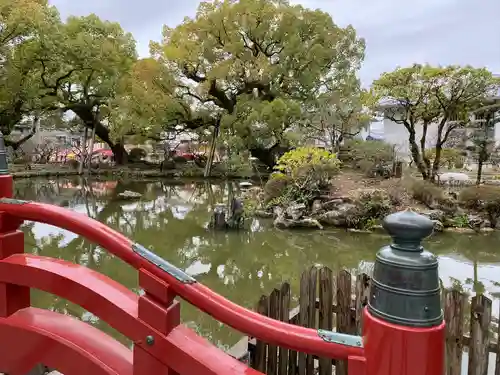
(248, 66)
(340, 113)
(81, 68)
(425, 96)
(22, 24)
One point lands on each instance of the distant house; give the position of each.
(397, 134)
(66, 141)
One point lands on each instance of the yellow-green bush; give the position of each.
(303, 174)
(309, 162)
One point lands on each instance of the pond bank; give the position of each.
(125, 172)
(354, 202)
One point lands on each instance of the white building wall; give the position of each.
(397, 135)
(497, 134)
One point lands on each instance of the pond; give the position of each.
(171, 218)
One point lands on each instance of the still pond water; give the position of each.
(171, 219)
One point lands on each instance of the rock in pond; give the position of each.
(127, 194)
(245, 184)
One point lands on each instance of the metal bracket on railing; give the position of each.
(340, 338)
(13, 201)
(158, 261)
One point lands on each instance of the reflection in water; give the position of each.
(171, 220)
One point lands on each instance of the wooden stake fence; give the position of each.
(323, 296)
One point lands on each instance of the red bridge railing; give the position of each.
(162, 345)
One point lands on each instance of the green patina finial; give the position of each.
(405, 286)
(4, 167)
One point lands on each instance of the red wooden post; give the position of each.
(403, 328)
(158, 309)
(12, 297)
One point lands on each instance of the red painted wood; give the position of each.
(356, 366)
(156, 287)
(161, 318)
(6, 186)
(195, 355)
(240, 318)
(163, 314)
(146, 364)
(12, 297)
(32, 336)
(118, 306)
(397, 350)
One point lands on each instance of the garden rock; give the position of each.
(282, 222)
(334, 203)
(475, 221)
(296, 211)
(438, 226)
(435, 215)
(317, 207)
(340, 216)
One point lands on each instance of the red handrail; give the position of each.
(251, 323)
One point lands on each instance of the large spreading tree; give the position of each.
(22, 24)
(425, 96)
(81, 66)
(248, 67)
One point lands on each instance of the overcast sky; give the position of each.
(397, 32)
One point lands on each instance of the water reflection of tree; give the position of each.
(171, 219)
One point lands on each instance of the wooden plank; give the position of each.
(313, 286)
(284, 317)
(497, 361)
(325, 312)
(304, 315)
(454, 310)
(260, 361)
(362, 295)
(293, 355)
(344, 312)
(480, 320)
(272, 350)
(292, 362)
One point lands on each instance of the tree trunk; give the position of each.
(479, 171)
(416, 156)
(88, 117)
(91, 150)
(437, 159)
(423, 141)
(269, 156)
(211, 155)
(17, 144)
(83, 153)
